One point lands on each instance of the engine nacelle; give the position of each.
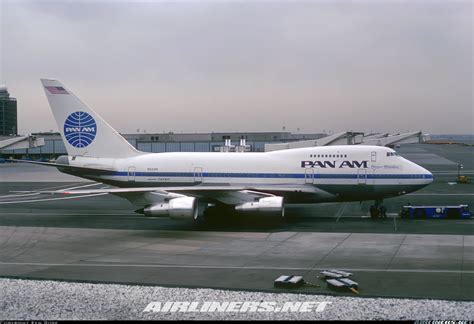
(263, 205)
(176, 208)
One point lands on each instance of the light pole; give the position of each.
(460, 167)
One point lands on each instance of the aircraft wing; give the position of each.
(224, 194)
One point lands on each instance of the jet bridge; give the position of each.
(392, 140)
(353, 138)
(20, 142)
(344, 138)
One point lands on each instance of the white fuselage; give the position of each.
(348, 172)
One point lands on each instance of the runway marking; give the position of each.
(50, 199)
(452, 172)
(19, 195)
(37, 191)
(60, 186)
(226, 267)
(442, 194)
(111, 216)
(85, 186)
(69, 214)
(61, 189)
(341, 211)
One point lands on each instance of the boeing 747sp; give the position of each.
(177, 185)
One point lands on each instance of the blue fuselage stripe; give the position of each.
(273, 175)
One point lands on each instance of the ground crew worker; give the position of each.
(383, 211)
(374, 211)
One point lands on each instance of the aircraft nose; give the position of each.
(427, 176)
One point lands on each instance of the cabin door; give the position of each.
(197, 175)
(362, 176)
(131, 174)
(309, 176)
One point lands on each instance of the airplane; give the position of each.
(190, 185)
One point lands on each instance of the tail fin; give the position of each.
(84, 132)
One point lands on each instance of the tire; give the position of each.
(420, 214)
(453, 214)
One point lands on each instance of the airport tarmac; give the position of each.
(100, 239)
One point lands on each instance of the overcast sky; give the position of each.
(245, 66)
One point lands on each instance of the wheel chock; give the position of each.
(342, 273)
(342, 284)
(286, 281)
(335, 274)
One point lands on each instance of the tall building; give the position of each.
(8, 113)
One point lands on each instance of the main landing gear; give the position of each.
(378, 210)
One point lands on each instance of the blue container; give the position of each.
(433, 212)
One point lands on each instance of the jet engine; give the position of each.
(264, 205)
(176, 208)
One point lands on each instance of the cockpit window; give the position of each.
(392, 154)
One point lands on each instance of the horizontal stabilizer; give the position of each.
(63, 166)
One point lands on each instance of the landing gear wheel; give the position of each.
(374, 212)
(420, 214)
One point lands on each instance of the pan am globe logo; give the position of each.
(80, 129)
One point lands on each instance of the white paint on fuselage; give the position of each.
(282, 167)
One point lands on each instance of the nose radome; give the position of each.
(427, 175)
(431, 176)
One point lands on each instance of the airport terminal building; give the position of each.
(220, 142)
(8, 113)
(171, 142)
